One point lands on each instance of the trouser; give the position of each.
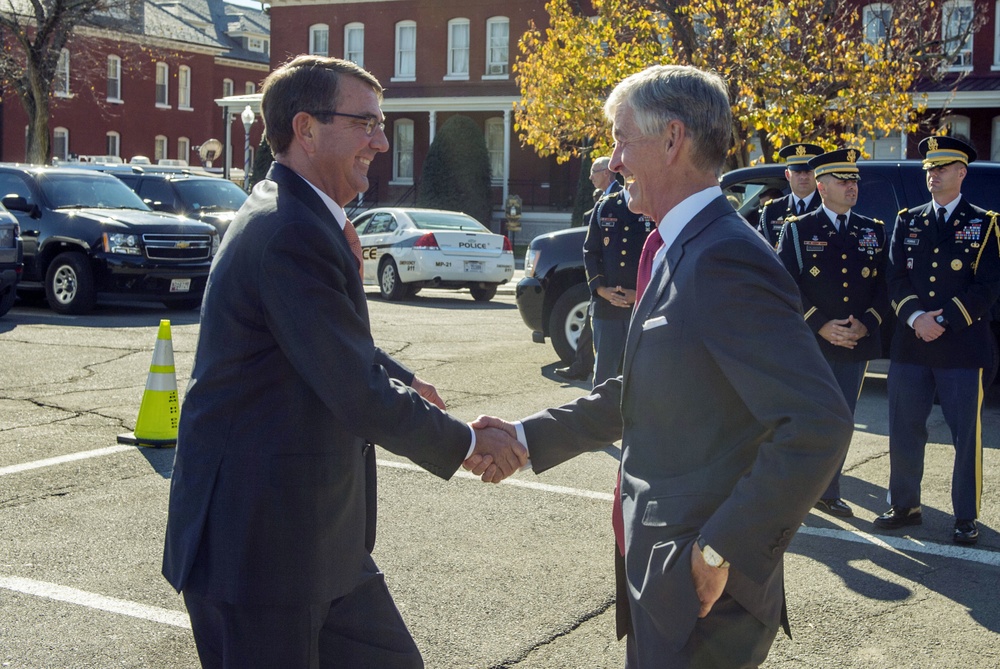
(609, 347)
(911, 397)
(361, 629)
(850, 377)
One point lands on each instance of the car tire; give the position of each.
(389, 283)
(7, 300)
(69, 284)
(483, 294)
(569, 314)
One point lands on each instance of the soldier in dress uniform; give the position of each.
(803, 197)
(944, 274)
(838, 258)
(611, 255)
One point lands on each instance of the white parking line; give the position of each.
(48, 462)
(62, 593)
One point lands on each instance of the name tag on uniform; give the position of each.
(815, 247)
(607, 222)
(910, 241)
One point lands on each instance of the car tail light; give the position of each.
(427, 242)
(507, 248)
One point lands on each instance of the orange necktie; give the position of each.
(355, 243)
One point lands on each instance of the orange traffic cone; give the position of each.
(160, 411)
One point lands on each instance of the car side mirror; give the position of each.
(19, 203)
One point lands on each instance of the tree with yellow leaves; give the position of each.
(797, 70)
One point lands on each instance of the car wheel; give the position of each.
(7, 300)
(69, 284)
(389, 285)
(569, 314)
(483, 294)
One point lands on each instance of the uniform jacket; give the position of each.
(956, 269)
(272, 498)
(774, 213)
(730, 419)
(612, 248)
(839, 278)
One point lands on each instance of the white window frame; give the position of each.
(319, 39)
(113, 144)
(114, 79)
(159, 148)
(957, 125)
(995, 140)
(458, 49)
(60, 82)
(184, 87)
(876, 12)
(497, 68)
(256, 44)
(227, 88)
(494, 132)
(357, 54)
(162, 85)
(250, 88)
(60, 134)
(402, 149)
(996, 37)
(948, 9)
(405, 67)
(184, 149)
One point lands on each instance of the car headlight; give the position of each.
(530, 261)
(119, 242)
(215, 244)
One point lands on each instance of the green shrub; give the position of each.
(456, 172)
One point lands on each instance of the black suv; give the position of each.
(553, 297)
(86, 234)
(10, 259)
(210, 199)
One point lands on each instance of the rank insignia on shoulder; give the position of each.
(879, 222)
(902, 211)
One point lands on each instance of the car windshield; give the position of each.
(66, 191)
(444, 220)
(211, 194)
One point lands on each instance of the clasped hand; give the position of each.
(498, 453)
(844, 331)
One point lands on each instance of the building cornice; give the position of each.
(245, 64)
(455, 104)
(958, 99)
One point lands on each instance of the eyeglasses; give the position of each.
(371, 122)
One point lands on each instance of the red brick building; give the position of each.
(150, 90)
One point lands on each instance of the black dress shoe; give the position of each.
(835, 507)
(895, 518)
(966, 532)
(572, 373)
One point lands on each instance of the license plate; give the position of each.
(474, 266)
(180, 285)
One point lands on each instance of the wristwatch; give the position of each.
(712, 559)
(941, 320)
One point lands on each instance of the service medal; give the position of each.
(956, 264)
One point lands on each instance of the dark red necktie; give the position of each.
(355, 243)
(653, 244)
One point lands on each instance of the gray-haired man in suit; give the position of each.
(272, 500)
(730, 419)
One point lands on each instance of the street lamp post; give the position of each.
(248, 117)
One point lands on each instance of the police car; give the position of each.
(406, 249)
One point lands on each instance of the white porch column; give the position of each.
(432, 126)
(506, 156)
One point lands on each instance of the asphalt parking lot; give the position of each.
(515, 576)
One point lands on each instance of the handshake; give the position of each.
(498, 453)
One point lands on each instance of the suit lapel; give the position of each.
(664, 272)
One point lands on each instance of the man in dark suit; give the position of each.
(838, 257)
(730, 419)
(272, 502)
(803, 197)
(944, 275)
(611, 256)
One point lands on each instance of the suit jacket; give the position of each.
(612, 248)
(774, 213)
(839, 277)
(730, 419)
(956, 269)
(272, 499)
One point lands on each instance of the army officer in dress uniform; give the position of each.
(803, 197)
(611, 255)
(944, 274)
(838, 259)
